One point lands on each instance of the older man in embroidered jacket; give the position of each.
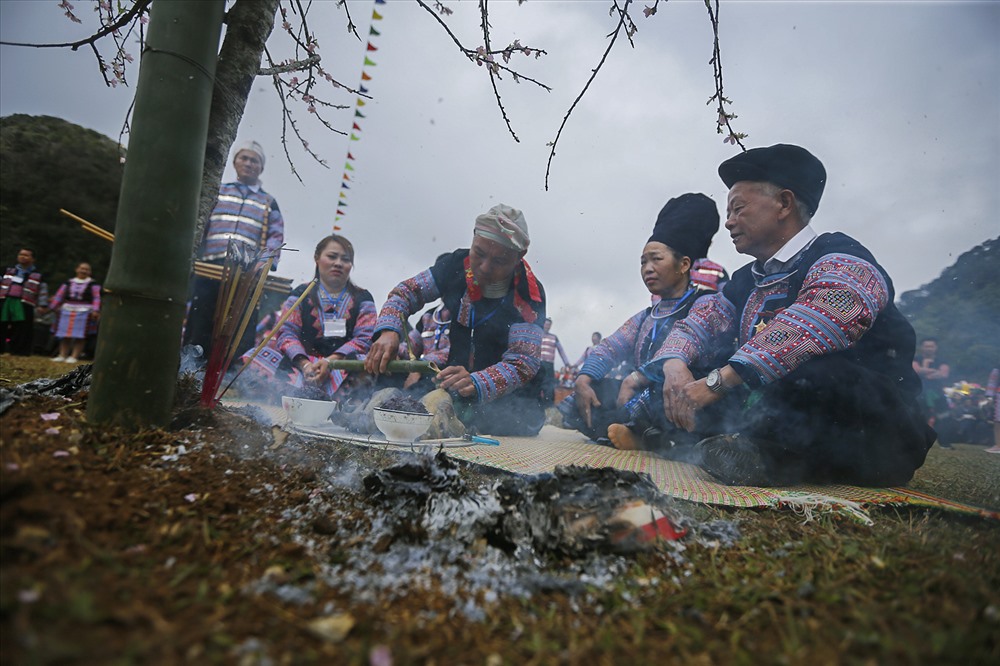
(821, 387)
(497, 306)
(244, 213)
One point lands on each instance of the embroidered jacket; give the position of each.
(244, 216)
(638, 339)
(302, 332)
(78, 295)
(835, 299)
(498, 340)
(26, 285)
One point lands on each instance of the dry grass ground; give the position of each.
(216, 544)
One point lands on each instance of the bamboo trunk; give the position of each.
(138, 351)
(423, 367)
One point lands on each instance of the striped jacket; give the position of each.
(245, 216)
(26, 285)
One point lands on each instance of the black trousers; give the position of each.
(832, 420)
(548, 372)
(16, 337)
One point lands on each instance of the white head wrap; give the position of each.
(505, 225)
(253, 147)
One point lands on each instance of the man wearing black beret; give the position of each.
(820, 388)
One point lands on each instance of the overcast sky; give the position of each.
(900, 100)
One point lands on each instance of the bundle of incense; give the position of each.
(201, 268)
(263, 343)
(243, 278)
(423, 367)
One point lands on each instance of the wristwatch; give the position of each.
(714, 382)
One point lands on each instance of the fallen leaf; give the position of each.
(332, 628)
(51, 416)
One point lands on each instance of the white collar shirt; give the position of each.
(787, 255)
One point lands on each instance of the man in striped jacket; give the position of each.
(21, 292)
(244, 213)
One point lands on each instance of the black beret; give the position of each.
(789, 167)
(686, 224)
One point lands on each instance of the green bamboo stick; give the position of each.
(352, 365)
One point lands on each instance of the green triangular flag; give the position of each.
(347, 165)
(358, 114)
(355, 138)
(368, 62)
(373, 31)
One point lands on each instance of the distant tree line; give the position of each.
(961, 309)
(46, 164)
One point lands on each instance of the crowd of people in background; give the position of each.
(699, 375)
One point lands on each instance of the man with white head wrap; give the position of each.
(498, 307)
(244, 213)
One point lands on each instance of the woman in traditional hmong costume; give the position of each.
(78, 302)
(335, 321)
(621, 411)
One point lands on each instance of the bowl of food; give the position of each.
(402, 426)
(305, 412)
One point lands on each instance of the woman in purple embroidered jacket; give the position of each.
(821, 388)
(604, 408)
(335, 321)
(78, 302)
(497, 308)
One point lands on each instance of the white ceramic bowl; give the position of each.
(305, 412)
(402, 426)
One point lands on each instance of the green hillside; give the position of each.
(961, 308)
(46, 164)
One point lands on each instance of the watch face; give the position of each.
(714, 380)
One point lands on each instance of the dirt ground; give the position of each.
(221, 541)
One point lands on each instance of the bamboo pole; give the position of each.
(201, 268)
(138, 351)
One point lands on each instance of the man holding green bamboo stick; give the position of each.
(498, 308)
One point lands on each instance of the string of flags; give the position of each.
(346, 178)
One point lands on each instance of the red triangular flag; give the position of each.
(371, 48)
(349, 156)
(356, 127)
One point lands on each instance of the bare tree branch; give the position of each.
(623, 13)
(732, 136)
(126, 18)
(295, 66)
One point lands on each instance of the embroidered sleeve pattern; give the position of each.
(95, 289)
(406, 298)
(612, 350)
(359, 345)
(710, 320)
(60, 296)
(840, 298)
(519, 365)
(289, 338)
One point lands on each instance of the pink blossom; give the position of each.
(144, 19)
(191, 497)
(51, 416)
(60, 454)
(380, 655)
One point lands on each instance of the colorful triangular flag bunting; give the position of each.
(365, 76)
(357, 127)
(355, 138)
(373, 31)
(368, 62)
(340, 212)
(343, 195)
(347, 165)
(361, 102)
(376, 16)
(371, 47)
(362, 90)
(349, 156)
(345, 186)
(358, 114)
